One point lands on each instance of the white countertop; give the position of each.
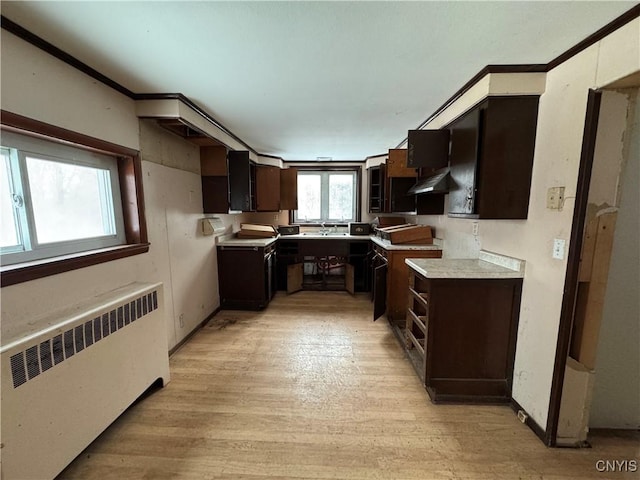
(330, 236)
(488, 265)
(231, 241)
(387, 245)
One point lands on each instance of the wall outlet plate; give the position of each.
(558, 248)
(555, 198)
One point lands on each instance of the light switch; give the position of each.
(558, 248)
(555, 198)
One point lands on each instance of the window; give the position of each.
(18, 225)
(327, 196)
(56, 200)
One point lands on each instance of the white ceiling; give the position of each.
(302, 80)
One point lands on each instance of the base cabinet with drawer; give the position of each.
(461, 336)
(247, 276)
(389, 280)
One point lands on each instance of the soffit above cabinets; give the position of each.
(492, 84)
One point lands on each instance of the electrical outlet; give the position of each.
(558, 248)
(474, 229)
(522, 416)
(276, 218)
(181, 319)
(555, 198)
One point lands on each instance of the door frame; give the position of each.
(573, 263)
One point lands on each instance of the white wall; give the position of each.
(616, 395)
(556, 161)
(37, 85)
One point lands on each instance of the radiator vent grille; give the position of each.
(37, 359)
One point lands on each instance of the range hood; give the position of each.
(437, 182)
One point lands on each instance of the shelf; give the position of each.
(423, 298)
(419, 344)
(420, 321)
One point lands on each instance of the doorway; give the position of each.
(596, 379)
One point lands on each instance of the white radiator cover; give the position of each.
(60, 390)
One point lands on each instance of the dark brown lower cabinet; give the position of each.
(389, 275)
(246, 276)
(461, 334)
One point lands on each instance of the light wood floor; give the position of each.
(311, 388)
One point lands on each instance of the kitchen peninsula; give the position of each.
(461, 326)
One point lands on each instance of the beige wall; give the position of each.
(39, 86)
(557, 157)
(36, 85)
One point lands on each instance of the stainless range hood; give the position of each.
(437, 182)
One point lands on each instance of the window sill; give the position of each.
(24, 272)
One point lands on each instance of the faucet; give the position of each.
(323, 230)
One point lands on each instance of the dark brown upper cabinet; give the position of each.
(376, 177)
(389, 194)
(491, 158)
(289, 189)
(242, 181)
(267, 188)
(215, 186)
(428, 149)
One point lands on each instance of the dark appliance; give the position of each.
(288, 229)
(359, 228)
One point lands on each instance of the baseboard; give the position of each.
(193, 332)
(530, 422)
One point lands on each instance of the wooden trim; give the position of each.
(130, 174)
(270, 156)
(13, 274)
(608, 29)
(529, 422)
(573, 264)
(54, 51)
(131, 195)
(179, 345)
(28, 126)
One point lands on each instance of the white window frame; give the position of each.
(20, 146)
(325, 199)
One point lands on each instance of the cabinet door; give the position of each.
(463, 162)
(294, 277)
(376, 189)
(506, 157)
(241, 277)
(399, 198)
(267, 188)
(428, 149)
(240, 193)
(215, 195)
(289, 189)
(397, 164)
(350, 279)
(379, 291)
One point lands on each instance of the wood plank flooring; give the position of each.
(311, 388)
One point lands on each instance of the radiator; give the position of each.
(74, 373)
